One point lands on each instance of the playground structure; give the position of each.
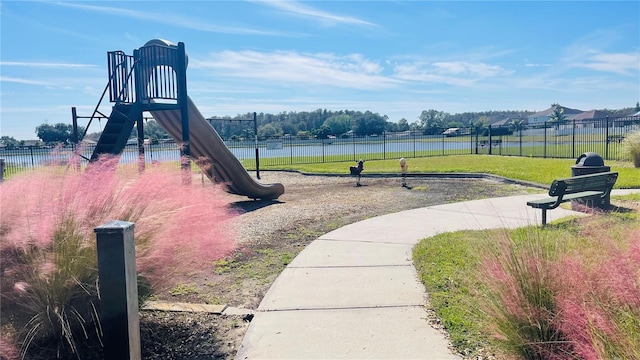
(154, 80)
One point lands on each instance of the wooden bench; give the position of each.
(593, 188)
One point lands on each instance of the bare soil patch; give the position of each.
(270, 235)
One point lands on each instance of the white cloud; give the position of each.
(297, 8)
(285, 68)
(618, 63)
(23, 81)
(45, 65)
(459, 73)
(176, 20)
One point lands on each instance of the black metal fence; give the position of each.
(547, 140)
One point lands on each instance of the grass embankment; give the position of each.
(570, 290)
(536, 170)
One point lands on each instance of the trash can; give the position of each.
(2, 169)
(590, 163)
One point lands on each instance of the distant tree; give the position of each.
(268, 131)
(338, 124)
(369, 124)
(557, 117)
(10, 142)
(288, 127)
(432, 121)
(484, 120)
(58, 133)
(403, 125)
(637, 106)
(323, 132)
(154, 131)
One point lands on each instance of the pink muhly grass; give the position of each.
(521, 302)
(634, 246)
(8, 349)
(619, 279)
(48, 244)
(598, 300)
(180, 228)
(575, 318)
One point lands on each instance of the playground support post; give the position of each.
(255, 133)
(183, 100)
(74, 116)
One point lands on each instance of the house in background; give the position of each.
(590, 119)
(543, 116)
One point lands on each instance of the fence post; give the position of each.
(544, 147)
(606, 138)
(477, 130)
(118, 289)
(520, 137)
(414, 143)
(1, 170)
(573, 141)
(353, 140)
(384, 145)
(489, 133)
(33, 160)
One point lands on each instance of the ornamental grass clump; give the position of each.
(521, 306)
(631, 147)
(598, 299)
(48, 247)
(573, 296)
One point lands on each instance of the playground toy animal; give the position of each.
(357, 170)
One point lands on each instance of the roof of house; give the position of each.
(591, 114)
(502, 122)
(549, 111)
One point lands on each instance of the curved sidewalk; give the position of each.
(354, 294)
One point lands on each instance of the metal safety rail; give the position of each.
(121, 82)
(146, 77)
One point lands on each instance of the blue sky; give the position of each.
(395, 58)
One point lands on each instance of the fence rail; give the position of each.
(546, 140)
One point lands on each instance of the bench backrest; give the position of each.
(603, 181)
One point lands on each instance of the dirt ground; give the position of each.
(271, 234)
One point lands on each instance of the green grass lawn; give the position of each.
(451, 266)
(536, 170)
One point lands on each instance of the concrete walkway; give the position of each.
(354, 294)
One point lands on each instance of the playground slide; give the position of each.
(206, 143)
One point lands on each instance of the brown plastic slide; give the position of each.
(206, 144)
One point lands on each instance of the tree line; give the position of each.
(321, 123)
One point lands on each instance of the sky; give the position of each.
(394, 58)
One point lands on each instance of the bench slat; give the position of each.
(595, 182)
(547, 202)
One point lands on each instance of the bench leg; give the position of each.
(544, 217)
